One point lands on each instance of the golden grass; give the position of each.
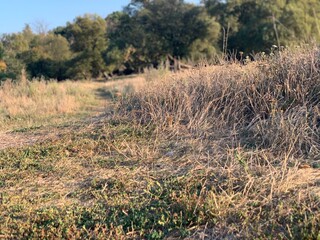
(134, 83)
(25, 103)
(222, 152)
(252, 128)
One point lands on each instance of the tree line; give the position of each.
(146, 32)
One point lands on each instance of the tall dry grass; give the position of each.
(266, 99)
(246, 132)
(30, 100)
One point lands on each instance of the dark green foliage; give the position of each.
(146, 33)
(13, 45)
(149, 31)
(256, 25)
(47, 56)
(1, 52)
(40, 54)
(48, 69)
(87, 37)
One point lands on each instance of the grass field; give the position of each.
(219, 152)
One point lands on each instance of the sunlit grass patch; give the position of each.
(27, 103)
(222, 152)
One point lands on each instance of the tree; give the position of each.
(173, 26)
(300, 21)
(47, 56)
(3, 65)
(256, 25)
(87, 38)
(208, 46)
(13, 46)
(149, 31)
(40, 54)
(127, 43)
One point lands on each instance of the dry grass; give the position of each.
(28, 104)
(250, 127)
(127, 85)
(38, 97)
(24, 103)
(272, 101)
(222, 152)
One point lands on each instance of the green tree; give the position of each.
(256, 25)
(3, 65)
(13, 46)
(300, 21)
(173, 26)
(87, 38)
(208, 46)
(128, 47)
(149, 31)
(1, 51)
(47, 56)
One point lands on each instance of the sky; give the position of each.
(52, 13)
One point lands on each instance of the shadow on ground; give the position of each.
(104, 93)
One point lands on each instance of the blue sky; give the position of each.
(52, 13)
